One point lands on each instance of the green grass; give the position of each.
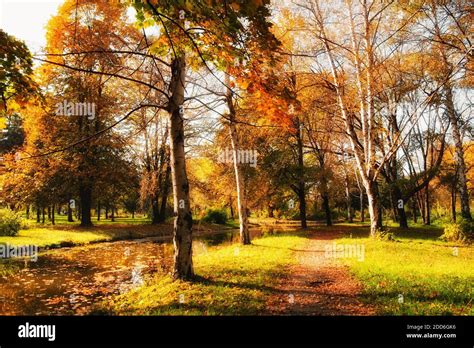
(232, 223)
(421, 268)
(47, 237)
(238, 280)
(233, 280)
(68, 235)
(62, 220)
(8, 267)
(65, 233)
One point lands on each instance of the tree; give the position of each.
(355, 57)
(76, 36)
(192, 31)
(16, 68)
(450, 20)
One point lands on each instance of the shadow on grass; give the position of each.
(423, 233)
(292, 249)
(247, 286)
(446, 298)
(240, 303)
(360, 231)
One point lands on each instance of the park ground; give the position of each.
(122, 268)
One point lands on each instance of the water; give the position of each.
(71, 280)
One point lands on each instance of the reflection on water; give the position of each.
(72, 280)
(215, 239)
(230, 237)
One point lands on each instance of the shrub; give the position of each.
(461, 231)
(215, 216)
(384, 234)
(25, 224)
(10, 223)
(294, 215)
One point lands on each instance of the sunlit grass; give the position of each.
(68, 235)
(42, 237)
(425, 271)
(233, 280)
(62, 220)
(7, 267)
(434, 277)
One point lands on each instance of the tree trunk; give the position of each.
(270, 209)
(301, 182)
(85, 194)
(69, 212)
(106, 212)
(414, 209)
(348, 200)
(302, 205)
(403, 218)
(240, 186)
(327, 209)
(421, 205)
(112, 215)
(231, 206)
(453, 202)
(400, 206)
(49, 213)
(239, 179)
(325, 195)
(392, 176)
(394, 204)
(375, 209)
(459, 158)
(182, 234)
(38, 214)
(427, 205)
(155, 212)
(98, 210)
(165, 193)
(43, 211)
(52, 214)
(361, 197)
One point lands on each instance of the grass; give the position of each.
(233, 280)
(62, 220)
(238, 280)
(48, 237)
(63, 235)
(8, 267)
(418, 266)
(67, 234)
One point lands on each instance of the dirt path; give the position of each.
(318, 285)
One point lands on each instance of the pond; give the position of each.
(71, 280)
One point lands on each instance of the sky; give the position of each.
(26, 20)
